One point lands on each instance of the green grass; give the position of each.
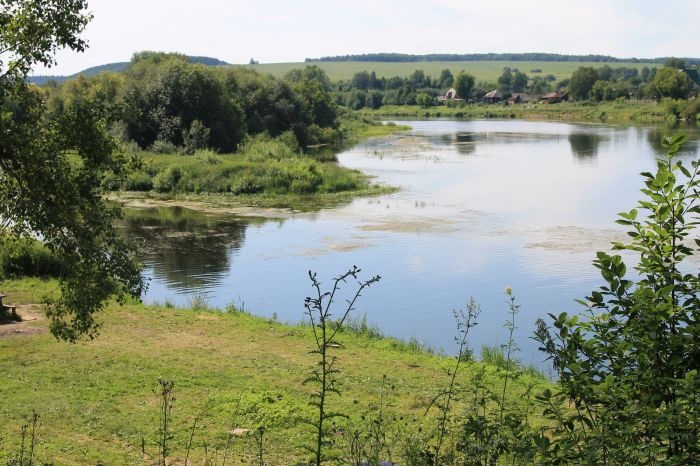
(97, 399)
(482, 70)
(265, 172)
(628, 111)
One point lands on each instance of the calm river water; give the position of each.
(483, 205)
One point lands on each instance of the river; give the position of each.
(483, 205)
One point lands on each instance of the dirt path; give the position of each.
(30, 314)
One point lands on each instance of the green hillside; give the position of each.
(115, 68)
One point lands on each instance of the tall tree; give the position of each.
(464, 84)
(582, 81)
(51, 170)
(446, 79)
(671, 82)
(519, 82)
(505, 80)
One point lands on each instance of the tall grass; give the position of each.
(263, 165)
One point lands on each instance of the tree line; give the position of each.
(606, 83)
(164, 101)
(403, 58)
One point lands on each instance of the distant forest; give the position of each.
(401, 57)
(119, 67)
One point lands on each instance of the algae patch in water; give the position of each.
(412, 226)
(574, 239)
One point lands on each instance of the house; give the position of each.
(450, 95)
(493, 97)
(519, 98)
(555, 97)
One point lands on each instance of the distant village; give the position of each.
(512, 98)
(498, 97)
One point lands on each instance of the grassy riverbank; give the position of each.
(624, 112)
(265, 172)
(97, 400)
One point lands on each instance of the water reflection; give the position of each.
(519, 212)
(585, 145)
(186, 249)
(690, 149)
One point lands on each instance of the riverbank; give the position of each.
(624, 112)
(264, 173)
(98, 400)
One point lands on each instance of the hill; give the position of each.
(402, 57)
(115, 68)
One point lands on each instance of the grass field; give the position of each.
(98, 400)
(607, 112)
(482, 70)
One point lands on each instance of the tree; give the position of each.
(629, 370)
(582, 81)
(519, 82)
(464, 84)
(314, 89)
(361, 80)
(418, 80)
(605, 73)
(505, 80)
(446, 79)
(676, 63)
(164, 96)
(539, 85)
(672, 83)
(51, 170)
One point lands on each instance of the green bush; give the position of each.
(304, 180)
(628, 369)
(27, 257)
(163, 147)
(167, 180)
(139, 181)
(247, 183)
(208, 156)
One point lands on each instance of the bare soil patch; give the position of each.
(30, 314)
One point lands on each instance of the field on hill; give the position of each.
(482, 70)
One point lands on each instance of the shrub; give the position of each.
(195, 138)
(304, 179)
(629, 369)
(27, 257)
(167, 180)
(247, 183)
(139, 181)
(161, 146)
(208, 156)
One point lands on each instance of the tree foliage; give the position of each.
(464, 84)
(582, 81)
(671, 82)
(51, 169)
(630, 369)
(163, 100)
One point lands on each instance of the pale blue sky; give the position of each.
(286, 31)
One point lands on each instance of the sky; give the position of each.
(274, 31)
